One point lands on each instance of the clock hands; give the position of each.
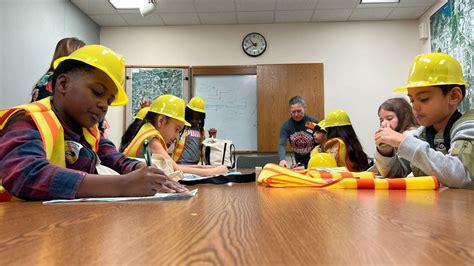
(254, 44)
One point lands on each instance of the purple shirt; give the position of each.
(27, 174)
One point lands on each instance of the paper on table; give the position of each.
(157, 196)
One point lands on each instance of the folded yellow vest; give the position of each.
(276, 176)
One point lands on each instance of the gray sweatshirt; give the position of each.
(453, 168)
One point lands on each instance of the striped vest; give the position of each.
(178, 150)
(146, 131)
(342, 158)
(51, 132)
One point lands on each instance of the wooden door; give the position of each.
(276, 84)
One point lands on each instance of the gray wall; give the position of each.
(29, 31)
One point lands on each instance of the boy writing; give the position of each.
(50, 149)
(444, 145)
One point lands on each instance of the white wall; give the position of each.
(29, 32)
(425, 45)
(363, 61)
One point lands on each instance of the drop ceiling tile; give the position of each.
(407, 3)
(175, 6)
(407, 12)
(332, 14)
(218, 18)
(361, 14)
(108, 20)
(180, 18)
(330, 4)
(209, 6)
(138, 20)
(296, 4)
(255, 17)
(255, 5)
(293, 16)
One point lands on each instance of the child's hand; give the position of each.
(283, 163)
(147, 181)
(385, 135)
(297, 167)
(220, 170)
(145, 103)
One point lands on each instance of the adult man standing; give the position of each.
(299, 131)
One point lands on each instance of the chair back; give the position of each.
(252, 161)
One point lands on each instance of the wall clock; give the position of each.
(254, 44)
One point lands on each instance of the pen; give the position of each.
(146, 153)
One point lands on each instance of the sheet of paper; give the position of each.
(157, 196)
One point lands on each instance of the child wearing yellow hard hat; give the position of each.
(161, 127)
(50, 148)
(320, 137)
(188, 149)
(444, 145)
(342, 142)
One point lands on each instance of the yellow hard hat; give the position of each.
(337, 118)
(432, 70)
(142, 113)
(197, 104)
(107, 61)
(322, 159)
(170, 106)
(322, 125)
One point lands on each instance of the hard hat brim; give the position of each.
(402, 89)
(121, 97)
(424, 84)
(186, 123)
(196, 109)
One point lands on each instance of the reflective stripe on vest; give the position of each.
(178, 150)
(145, 132)
(50, 129)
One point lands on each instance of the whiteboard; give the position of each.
(231, 107)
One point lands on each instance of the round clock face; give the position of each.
(254, 44)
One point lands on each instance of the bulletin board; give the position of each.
(452, 33)
(149, 82)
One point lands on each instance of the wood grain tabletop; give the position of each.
(246, 224)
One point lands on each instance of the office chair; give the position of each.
(252, 161)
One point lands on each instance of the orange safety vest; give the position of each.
(51, 131)
(178, 150)
(146, 131)
(273, 175)
(341, 156)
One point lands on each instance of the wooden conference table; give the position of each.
(246, 224)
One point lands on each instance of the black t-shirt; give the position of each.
(300, 135)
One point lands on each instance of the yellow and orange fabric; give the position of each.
(276, 176)
(178, 150)
(146, 131)
(337, 148)
(51, 131)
